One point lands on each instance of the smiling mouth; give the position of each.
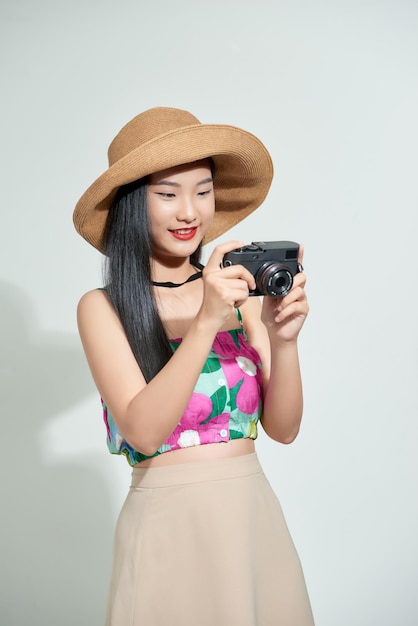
(184, 233)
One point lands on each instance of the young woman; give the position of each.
(187, 364)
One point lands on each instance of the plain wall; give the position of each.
(331, 87)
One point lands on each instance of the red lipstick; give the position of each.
(184, 233)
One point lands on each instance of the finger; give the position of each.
(219, 252)
(229, 281)
(293, 310)
(239, 272)
(301, 253)
(296, 295)
(299, 280)
(238, 303)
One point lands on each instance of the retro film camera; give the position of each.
(272, 263)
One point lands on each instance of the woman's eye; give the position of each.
(204, 193)
(166, 195)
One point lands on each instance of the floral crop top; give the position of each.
(225, 404)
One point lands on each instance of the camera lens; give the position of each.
(274, 280)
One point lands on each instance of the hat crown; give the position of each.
(147, 126)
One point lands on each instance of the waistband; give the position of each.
(196, 472)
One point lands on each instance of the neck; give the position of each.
(176, 276)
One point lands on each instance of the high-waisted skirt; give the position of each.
(205, 544)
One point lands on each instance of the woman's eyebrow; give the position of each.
(171, 183)
(166, 182)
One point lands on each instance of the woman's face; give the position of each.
(181, 205)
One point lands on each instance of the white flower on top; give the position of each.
(188, 438)
(247, 366)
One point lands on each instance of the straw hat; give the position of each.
(161, 138)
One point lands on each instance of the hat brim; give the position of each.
(243, 175)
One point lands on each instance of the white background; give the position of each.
(331, 87)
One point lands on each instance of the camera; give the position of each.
(272, 263)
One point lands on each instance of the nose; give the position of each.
(186, 212)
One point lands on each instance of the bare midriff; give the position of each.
(207, 452)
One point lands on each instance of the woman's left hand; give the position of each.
(284, 317)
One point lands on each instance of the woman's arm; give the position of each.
(146, 414)
(273, 330)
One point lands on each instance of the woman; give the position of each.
(186, 364)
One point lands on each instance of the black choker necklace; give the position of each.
(189, 280)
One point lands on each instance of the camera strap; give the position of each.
(189, 280)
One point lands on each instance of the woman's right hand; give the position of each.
(225, 288)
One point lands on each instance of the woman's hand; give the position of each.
(225, 288)
(284, 317)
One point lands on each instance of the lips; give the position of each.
(184, 233)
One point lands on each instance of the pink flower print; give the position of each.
(106, 420)
(191, 432)
(216, 429)
(247, 398)
(247, 373)
(198, 409)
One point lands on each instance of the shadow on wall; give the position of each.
(56, 520)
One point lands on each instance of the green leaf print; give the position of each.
(211, 365)
(218, 404)
(235, 434)
(233, 394)
(235, 337)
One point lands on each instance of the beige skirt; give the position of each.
(205, 544)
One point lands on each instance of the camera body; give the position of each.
(272, 263)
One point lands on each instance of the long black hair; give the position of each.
(127, 275)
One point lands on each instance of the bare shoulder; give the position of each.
(109, 355)
(95, 308)
(99, 326)
(96, 298)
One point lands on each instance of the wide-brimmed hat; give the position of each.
(161, 138)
